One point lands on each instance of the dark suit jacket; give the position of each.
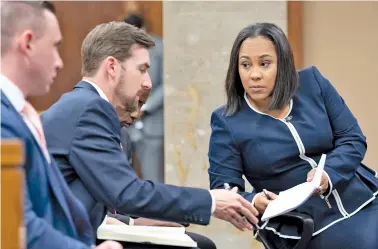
(83, 134)
(126, 143)
(53, 217)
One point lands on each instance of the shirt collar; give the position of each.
(13, 93)
(98, 89)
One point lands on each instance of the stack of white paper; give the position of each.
(292, 198)
(170, 236)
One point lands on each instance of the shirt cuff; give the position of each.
(213, 204)
(131, 221)
(330, 186)
(253, 200)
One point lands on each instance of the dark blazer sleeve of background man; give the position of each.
(96, 155)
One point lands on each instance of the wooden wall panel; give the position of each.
(295, 30)
(153, 14)
(76, 20)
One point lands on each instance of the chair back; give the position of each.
(12, 178)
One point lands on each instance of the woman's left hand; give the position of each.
(323, 183)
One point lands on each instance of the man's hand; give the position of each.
(262, 200)
(323, 183)
(151, 222)
(109, 245)
(232, 207)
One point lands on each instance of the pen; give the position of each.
(267, 194)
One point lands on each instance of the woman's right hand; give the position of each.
(262, 201)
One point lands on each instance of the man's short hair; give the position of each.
(17, 15)
(110, 39)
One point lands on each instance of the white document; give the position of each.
(170, 236)
(292, 198)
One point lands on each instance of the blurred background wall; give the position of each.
(198, 37)
(341, 39)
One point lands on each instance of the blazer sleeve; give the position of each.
(226, 164)
(97, 158)
(39, 233)
(349, 142)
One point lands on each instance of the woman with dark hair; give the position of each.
(274, 128)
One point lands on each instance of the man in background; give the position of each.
(30, 61)
(147, 134)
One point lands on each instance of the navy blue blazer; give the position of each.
(53, 217)
(277, 154)
(83, 134)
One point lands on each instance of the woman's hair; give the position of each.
(286, 80)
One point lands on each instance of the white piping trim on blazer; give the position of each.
(313, 164)
(302, 151)
(329, 225)
(339, 203)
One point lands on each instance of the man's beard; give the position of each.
(129, 105)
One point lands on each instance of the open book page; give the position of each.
(292, 198)
(173, 236)
(144, 229)
(319, 171)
